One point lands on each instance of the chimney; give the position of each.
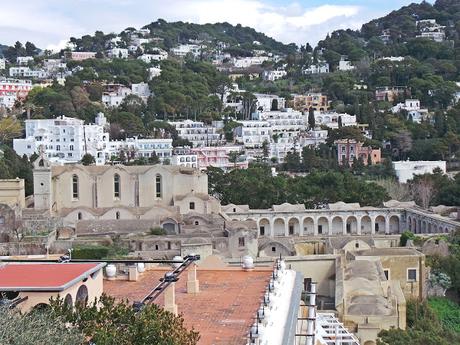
(133, 274)
(193, 285)
(170, 299)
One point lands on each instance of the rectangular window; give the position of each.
(320, 229)
(262, 230)
(241, 242)
(192, 205)
(412, 274)
(291, 229)
(387, 274)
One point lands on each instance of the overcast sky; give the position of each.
(49, 23)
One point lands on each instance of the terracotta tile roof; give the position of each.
(44, 276)
(222, 312)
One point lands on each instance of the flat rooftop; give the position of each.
(222, 312)
(44, 276)
(388, 251)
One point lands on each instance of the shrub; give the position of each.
(406, 235)
(90, 252)
(157, 231)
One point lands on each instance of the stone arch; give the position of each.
(369, 342)
(279, 227)
(352, 225)
(423, 227)
(337, 225)
(323, 226)
(294, 226)
(41, 307)
(275, 249)
(409, 223)
(395, 227)
(379, 225)
(366, 225)
(308, 226)
(264, 227)
(170, 226)
(435, 228)
(82, 295)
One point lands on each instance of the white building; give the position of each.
(331, 119)
(79, 56)
(64, 139)
(393, 58)
(55, 68)
(26, 72)
(115, 94)
(252, 134)
(273, 75)
(249, 61)
(118, 53)
(2, 64)
(183, 156)
(413, 109)
(284, 123)
(158, 55)
(406, 170)
(142, 90)
(183, 49)
(345, 65)
(154, 72)
(24, 60)
(198, 133)
(267, 102)
(317, 69)
(429, 29)
(141, 148)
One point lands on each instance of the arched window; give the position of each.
(117, 215)
(75, 186)
(116, 186)
(158, 191)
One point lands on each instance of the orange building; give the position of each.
(304, 103)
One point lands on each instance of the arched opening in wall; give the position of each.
(264, 227)
(369, 342)
(424, 228)
(419, 226)
(414, 225)
(279, 227)
(394, 225)
(429, 228)
(170, 227)
(366, 225)
(379, 225)
(82, 295)
(308, 226)
(409, 223)
(323, 226)
(446, 230)
(41, 163)
(9, 295)
(352, 225)
(294, 227)
(337, 225)
(274, 105)
(40, 307)
(68, 300)
(435, 228)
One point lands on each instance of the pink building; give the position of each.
(349, 149)
(219, 157)
(79, 56)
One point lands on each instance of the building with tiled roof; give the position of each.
(34, 284)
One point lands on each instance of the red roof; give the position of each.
(29, 277)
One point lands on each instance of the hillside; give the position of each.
(238, 40)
